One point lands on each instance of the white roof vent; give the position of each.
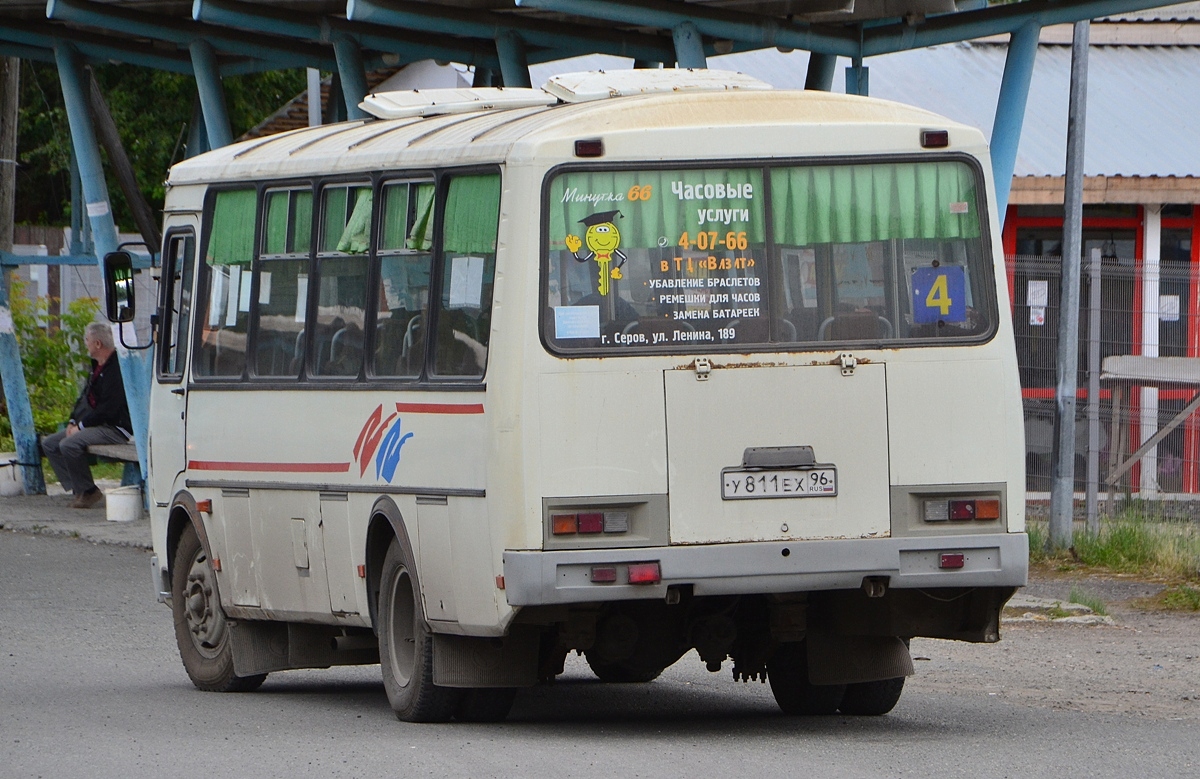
(436, 102)
(599, 85)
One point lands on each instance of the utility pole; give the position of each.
(1062, 487)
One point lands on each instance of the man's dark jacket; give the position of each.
(108, 390)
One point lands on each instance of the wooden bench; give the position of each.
(126, 453)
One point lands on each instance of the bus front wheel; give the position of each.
(406, 645)
(201, 630)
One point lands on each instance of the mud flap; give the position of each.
(837, 659)
(468, 661)
(260, 647)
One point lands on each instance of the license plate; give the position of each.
(820, 481)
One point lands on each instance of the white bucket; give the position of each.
(123, 504)
(11, 480)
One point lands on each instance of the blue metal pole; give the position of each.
(354, 76)
(689, 46)
(514, 67)
(856, 78)
(16, 396)
(135, 366)
(821, 68)
(197, 142)
(212, 94)
(1010, 109)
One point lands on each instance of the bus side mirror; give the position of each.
(118, 287)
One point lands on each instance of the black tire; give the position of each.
(201, 630)
(485, 704)
(871, 699)
(787, 671)
(621, 673)
(406, 645)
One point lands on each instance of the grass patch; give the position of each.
(1085, 598)
(101, 470)
(1182, 598)
(1135, 541)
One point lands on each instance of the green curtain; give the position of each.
(276, 223)
(395, 217)
(664, 205)
(420, 238)
(280, 231)
(334, 218)
(875, 202)
(472, 214)
(356, 238)
(302, 222)
(231, 238)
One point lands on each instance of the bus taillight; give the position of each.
(645, 573)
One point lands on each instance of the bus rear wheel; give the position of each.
(871, 699)
(406, 645)
(787, 671)
(201, 630)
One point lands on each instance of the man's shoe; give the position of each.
(87, 500)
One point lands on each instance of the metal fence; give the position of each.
(1126, 292)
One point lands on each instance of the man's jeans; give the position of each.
(69, 455)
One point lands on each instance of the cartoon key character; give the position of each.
(602, 238)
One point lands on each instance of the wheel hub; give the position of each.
(206, 621)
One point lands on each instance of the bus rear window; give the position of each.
(794, 257)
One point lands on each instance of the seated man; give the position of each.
(101, 416)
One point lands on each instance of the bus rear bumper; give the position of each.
(534, 578)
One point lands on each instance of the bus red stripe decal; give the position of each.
(440, 408)
(217, 465)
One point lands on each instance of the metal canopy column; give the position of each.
(135, 366)
(197, 142)
(353, 74)
(1010, 109)
(212, 94)
(514, 67)
(821, 68)
(689, 46)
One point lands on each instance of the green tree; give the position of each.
(55, 360)
(152, 110)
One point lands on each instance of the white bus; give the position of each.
(632, 365)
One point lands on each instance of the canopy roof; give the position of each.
(270, 34)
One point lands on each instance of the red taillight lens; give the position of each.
(987, 509)
(645, 573)
(962, 509)
(935, 139)
(603, 574)
(953, 560)
(563, 524)
(589, 148)
(592, 522)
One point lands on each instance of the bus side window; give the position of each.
(402, 298)
(472, 215)
(337, 334)
(283, 283)
(177, 305)
(221, 348)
